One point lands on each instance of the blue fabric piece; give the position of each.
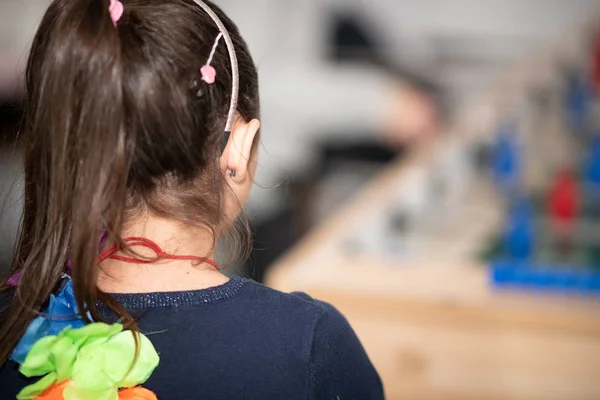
(62, 312)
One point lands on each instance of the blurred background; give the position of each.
(429, 167)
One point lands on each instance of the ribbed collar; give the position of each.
(181, 299)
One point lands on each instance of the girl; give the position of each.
(141, 132)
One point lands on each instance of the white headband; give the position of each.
(235, 79)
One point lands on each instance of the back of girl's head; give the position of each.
(118, 124)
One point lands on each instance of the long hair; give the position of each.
(117, 122)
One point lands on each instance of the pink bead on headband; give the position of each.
(208, 71)
(116, 11)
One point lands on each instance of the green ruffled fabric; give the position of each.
(97, 359)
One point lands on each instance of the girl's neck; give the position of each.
(164, 275)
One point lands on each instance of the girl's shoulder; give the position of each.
(335, 355)
(299, 304)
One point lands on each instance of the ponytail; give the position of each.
(75, 157)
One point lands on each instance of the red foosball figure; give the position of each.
(564, 201)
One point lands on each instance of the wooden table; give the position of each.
(433, 326)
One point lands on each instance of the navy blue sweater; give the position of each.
(242, 340)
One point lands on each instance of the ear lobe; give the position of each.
(239, 149)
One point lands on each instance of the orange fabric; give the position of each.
(54, 392)
(136, 393)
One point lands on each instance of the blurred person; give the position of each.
(412, 99)
(138, 157)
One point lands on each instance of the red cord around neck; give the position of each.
(112, 251)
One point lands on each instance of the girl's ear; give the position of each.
(236, 157)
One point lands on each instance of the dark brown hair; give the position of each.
(117, 122)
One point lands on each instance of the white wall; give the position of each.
(18, 22)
